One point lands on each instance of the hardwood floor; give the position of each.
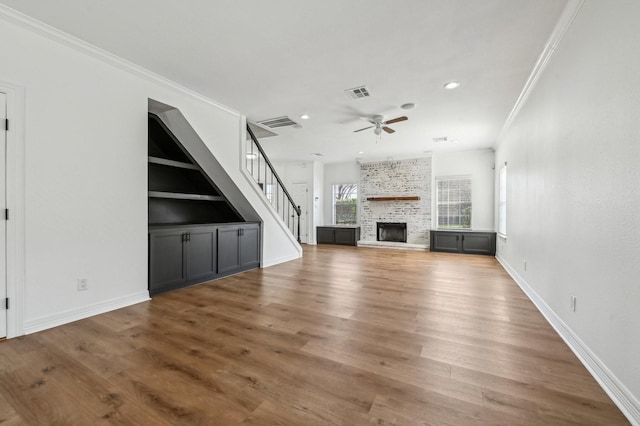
(345, 336)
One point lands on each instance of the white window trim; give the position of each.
(454, 177)
(333, 202)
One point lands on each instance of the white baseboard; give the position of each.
(49, 321)
(617, 391)
(277, 260)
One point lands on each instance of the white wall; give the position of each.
(85, 211)
(334, 174)
(573, 203)
(478, 164)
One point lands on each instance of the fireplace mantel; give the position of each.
(409, 198)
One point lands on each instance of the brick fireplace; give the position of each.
(400, 192)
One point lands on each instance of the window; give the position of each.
(454, 202)
(269, 192)
(345, 204)
(502, 202)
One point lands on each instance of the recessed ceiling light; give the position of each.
(455, 141)
(252, 156)
(360, 152)
(452, 85)
(305, 116)
(409, 105)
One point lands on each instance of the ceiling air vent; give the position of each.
(440, 139)
(358, 92)
(273, 123)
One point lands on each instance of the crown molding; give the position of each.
(31, 24)
(562, 26)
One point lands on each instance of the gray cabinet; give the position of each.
(201, 254)
(445, 241)
(341, 235)
(249, 246)
(167, 268)
(238, 248)
(228, 252)
(181, 256)
(186, 255)
(469, 242)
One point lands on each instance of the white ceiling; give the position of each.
(267, 59)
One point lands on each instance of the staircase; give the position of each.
(265, 175)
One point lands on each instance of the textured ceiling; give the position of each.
(273, 58)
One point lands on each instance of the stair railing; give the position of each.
(265, 175)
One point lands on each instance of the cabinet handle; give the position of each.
(463, 238)
(188, 236)
(457, 237)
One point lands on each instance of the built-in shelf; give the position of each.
(172, 163)
(410, 198)
(180, 192)
(182, 196)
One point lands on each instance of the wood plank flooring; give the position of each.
(343, 336)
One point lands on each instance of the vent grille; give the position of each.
(273, 123)
(358, 92)
(440, 139)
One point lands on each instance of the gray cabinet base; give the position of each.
(341, 235)
(468, 242)
(182, 256)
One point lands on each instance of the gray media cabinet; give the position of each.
(461, 241)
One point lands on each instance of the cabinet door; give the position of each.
(325, 236)
(167, 267)
(249, 246)
(479, 243)
(445, 241)
(201, 254)
(228, 249)
(345, 236)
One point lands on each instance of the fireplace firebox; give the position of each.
(392, 231)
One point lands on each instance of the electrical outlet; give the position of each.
(573, 303)
(83, 284)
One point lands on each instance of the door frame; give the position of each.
(15, 183)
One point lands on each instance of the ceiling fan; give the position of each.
(379, 124)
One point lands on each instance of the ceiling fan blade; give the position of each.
(395, 120)
(388, 129)
(364, 128)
